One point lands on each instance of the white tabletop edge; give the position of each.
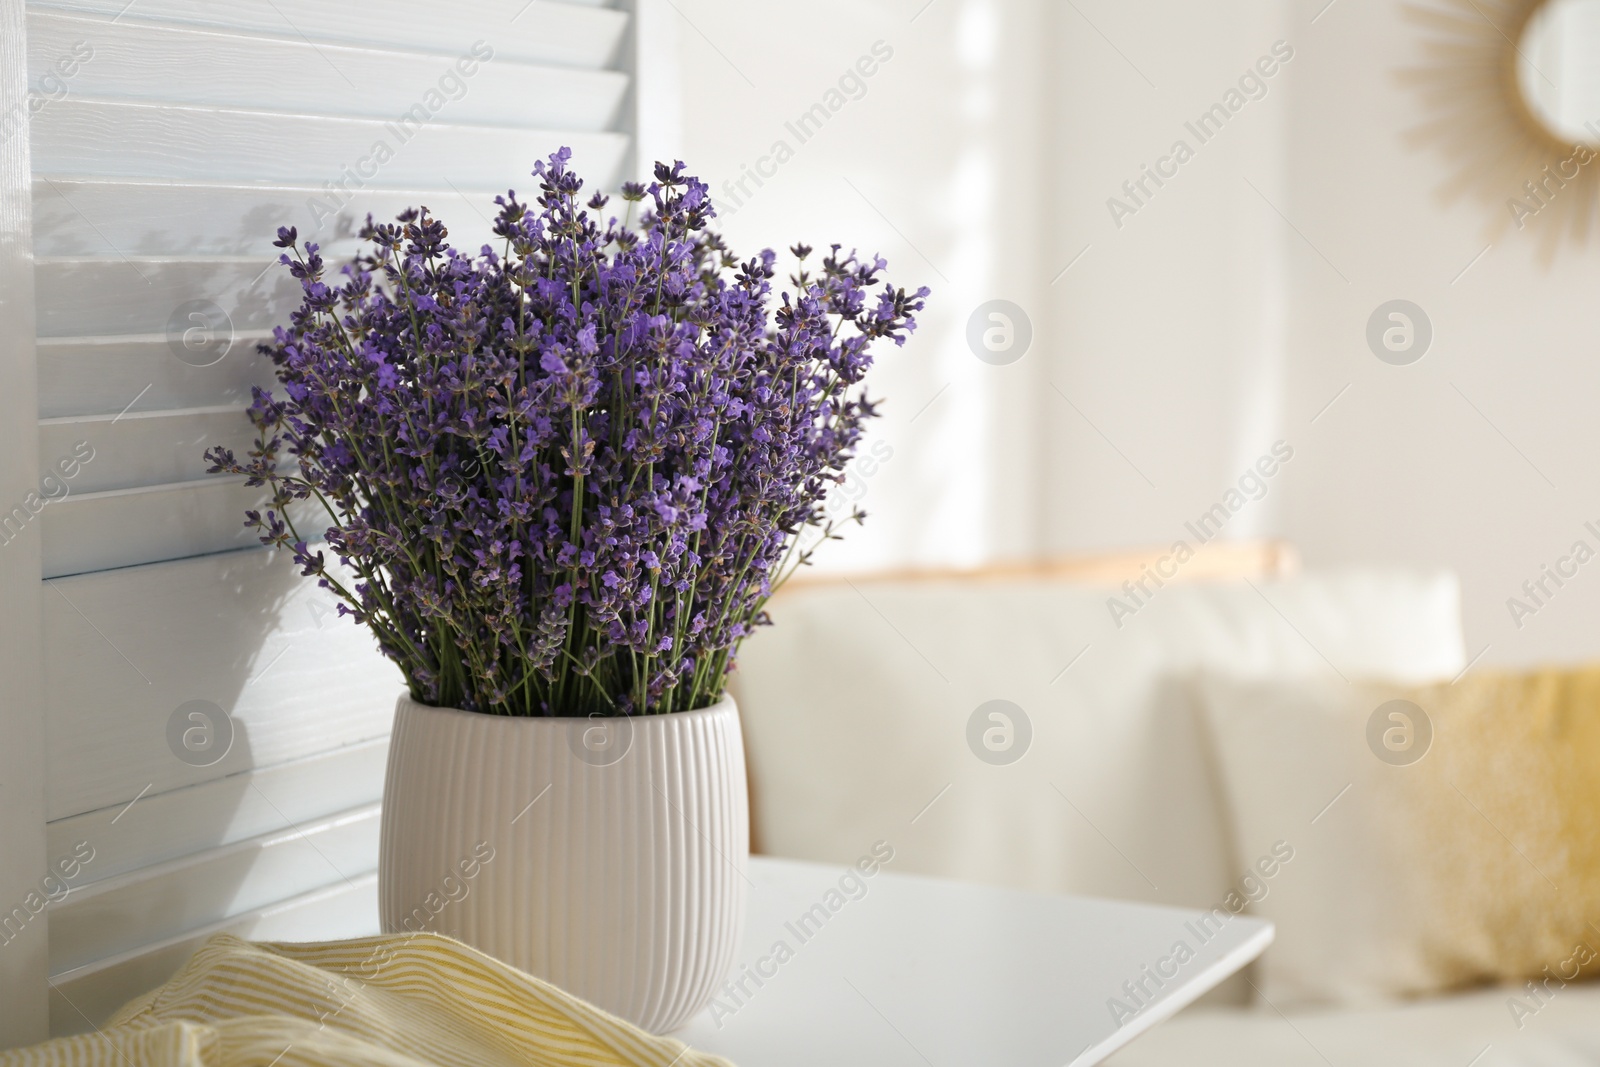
(1208, 979)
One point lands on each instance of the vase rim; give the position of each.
(726, 704)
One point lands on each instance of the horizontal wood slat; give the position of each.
(106, 138)
(88, 532)
(110, 218)
(243, 630)
(130, 59)
(169, 899)
(93, 295)
(85, 997)
(108, 375)
(184, 821)
(539, 32)
(138, 448)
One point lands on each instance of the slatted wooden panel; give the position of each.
(169, 899)
(558, 34)
(130, 64)
(126, 527)
(139, 448)
(24, 1006)
(184, 134)
(242, 630)
(106, 375)
(95, 991)
(142, 139)
(222, 811)
(148, 187)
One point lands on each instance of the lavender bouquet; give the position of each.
(566, 475)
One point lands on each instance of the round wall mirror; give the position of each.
(1558, 69)
(1510, 94)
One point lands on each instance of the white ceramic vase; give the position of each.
(606, 856)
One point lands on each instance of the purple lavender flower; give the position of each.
(566, 473)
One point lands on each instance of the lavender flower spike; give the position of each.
(566, 473)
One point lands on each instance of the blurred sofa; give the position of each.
(870, 713)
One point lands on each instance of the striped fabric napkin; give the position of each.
(399, 1000)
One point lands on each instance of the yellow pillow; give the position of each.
(1443, 836)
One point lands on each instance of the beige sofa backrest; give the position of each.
(858, 707)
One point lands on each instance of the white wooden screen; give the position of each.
(169, 138)
(24, 961)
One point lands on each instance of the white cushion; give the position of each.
(1449, 1031)
(856, 709)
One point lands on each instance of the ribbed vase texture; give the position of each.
(606, 856)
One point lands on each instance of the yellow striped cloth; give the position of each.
(398, 1000)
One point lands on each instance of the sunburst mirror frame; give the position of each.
(1537, 181)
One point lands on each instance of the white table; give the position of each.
(931, 973)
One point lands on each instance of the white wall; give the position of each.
(1403, 468)
(936, 166)
(1169, 335)
(1222, 316)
